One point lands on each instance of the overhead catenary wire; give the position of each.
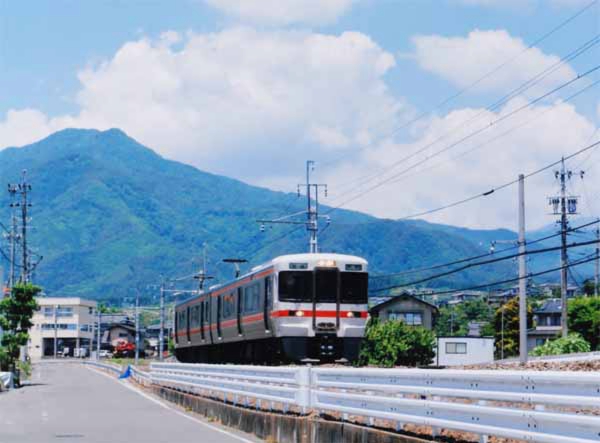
(483, 263)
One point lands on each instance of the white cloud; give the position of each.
(523, 3)
(463, 60)
(284, 12)
(222, 101)
(471, 167)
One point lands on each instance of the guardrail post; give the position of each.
(304, 388)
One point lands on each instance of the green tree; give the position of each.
(454, 320)
(584, 319)
(565, 345)
(393, 343)
(506, 326)
(16, 312)
(588, 287)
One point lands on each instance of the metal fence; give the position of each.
(111, 367)
(553, 407)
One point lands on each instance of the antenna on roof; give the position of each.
(236, 262)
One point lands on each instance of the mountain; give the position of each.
(110, 215)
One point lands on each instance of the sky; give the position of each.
(405, 105)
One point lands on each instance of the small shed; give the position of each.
(407, 308)
(458, 351)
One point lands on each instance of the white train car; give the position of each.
(295, 308)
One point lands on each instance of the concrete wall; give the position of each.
(281, 428)
(477, 350)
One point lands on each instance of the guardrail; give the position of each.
(552, 407)
(279, 386)
(141, 377)
(111, 367)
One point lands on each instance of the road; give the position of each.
(70, 402)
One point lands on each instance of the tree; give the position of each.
(16, 312)
(454, 320)
(393, 343)
(588, 287)
(506, 326)
(565, 345)
(584, 319)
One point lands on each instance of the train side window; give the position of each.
(269, 293)
(252, 298)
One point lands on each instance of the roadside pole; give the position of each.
(137, 327)
(55, 331)
(98, 334)
(161, 334)
(522, 275)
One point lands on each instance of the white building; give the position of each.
(68, 320)
(458, 351)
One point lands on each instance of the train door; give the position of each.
(177, 322)
(268, 303)
(239, 310)
(187, 324)
(219, 316)
(209, 317)
(202, 320)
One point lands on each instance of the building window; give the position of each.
(91, 311)
(48, 311)
(456, 348)
(410, 318)
(64, 311)
(540, 341)
(60, 326)
(123, 335)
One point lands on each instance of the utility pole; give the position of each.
(202, 275)
(597, 273)
(12, 237)
(55, 331)
(98, 334)
(312, 210)
(23, 189)
(564, 206)
(161, 333)
(522, 275)
(137, 327)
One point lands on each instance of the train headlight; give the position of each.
(350, 314)
(326, 264)
(299, 313)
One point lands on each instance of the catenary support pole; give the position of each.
(597, 273)
(522, 274)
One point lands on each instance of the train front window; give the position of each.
(354, 287)
(295, 286)
(326, 283)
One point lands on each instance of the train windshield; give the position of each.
(326, 283)
(295, 286)
(354, 287)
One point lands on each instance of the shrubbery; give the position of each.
(565, 345)
(393, 343)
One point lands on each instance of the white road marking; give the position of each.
(172, 409)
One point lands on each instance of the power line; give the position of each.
(512, 280)
(469, 136)
(483, 77)
(520, 89)
(467, 259)
(486, 262)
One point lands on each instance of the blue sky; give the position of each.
(351, 72)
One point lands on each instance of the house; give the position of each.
(152, 334)
(547, 320)
(409, 309)
(62, 324)
(463, 296)
(118, 333)
(458, 351)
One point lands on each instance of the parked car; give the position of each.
(105, 353)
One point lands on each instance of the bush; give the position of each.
(584, 318)
(393, 343)
(565, 345)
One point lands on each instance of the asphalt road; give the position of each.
(67, 402)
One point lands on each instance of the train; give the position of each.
(295, 308)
